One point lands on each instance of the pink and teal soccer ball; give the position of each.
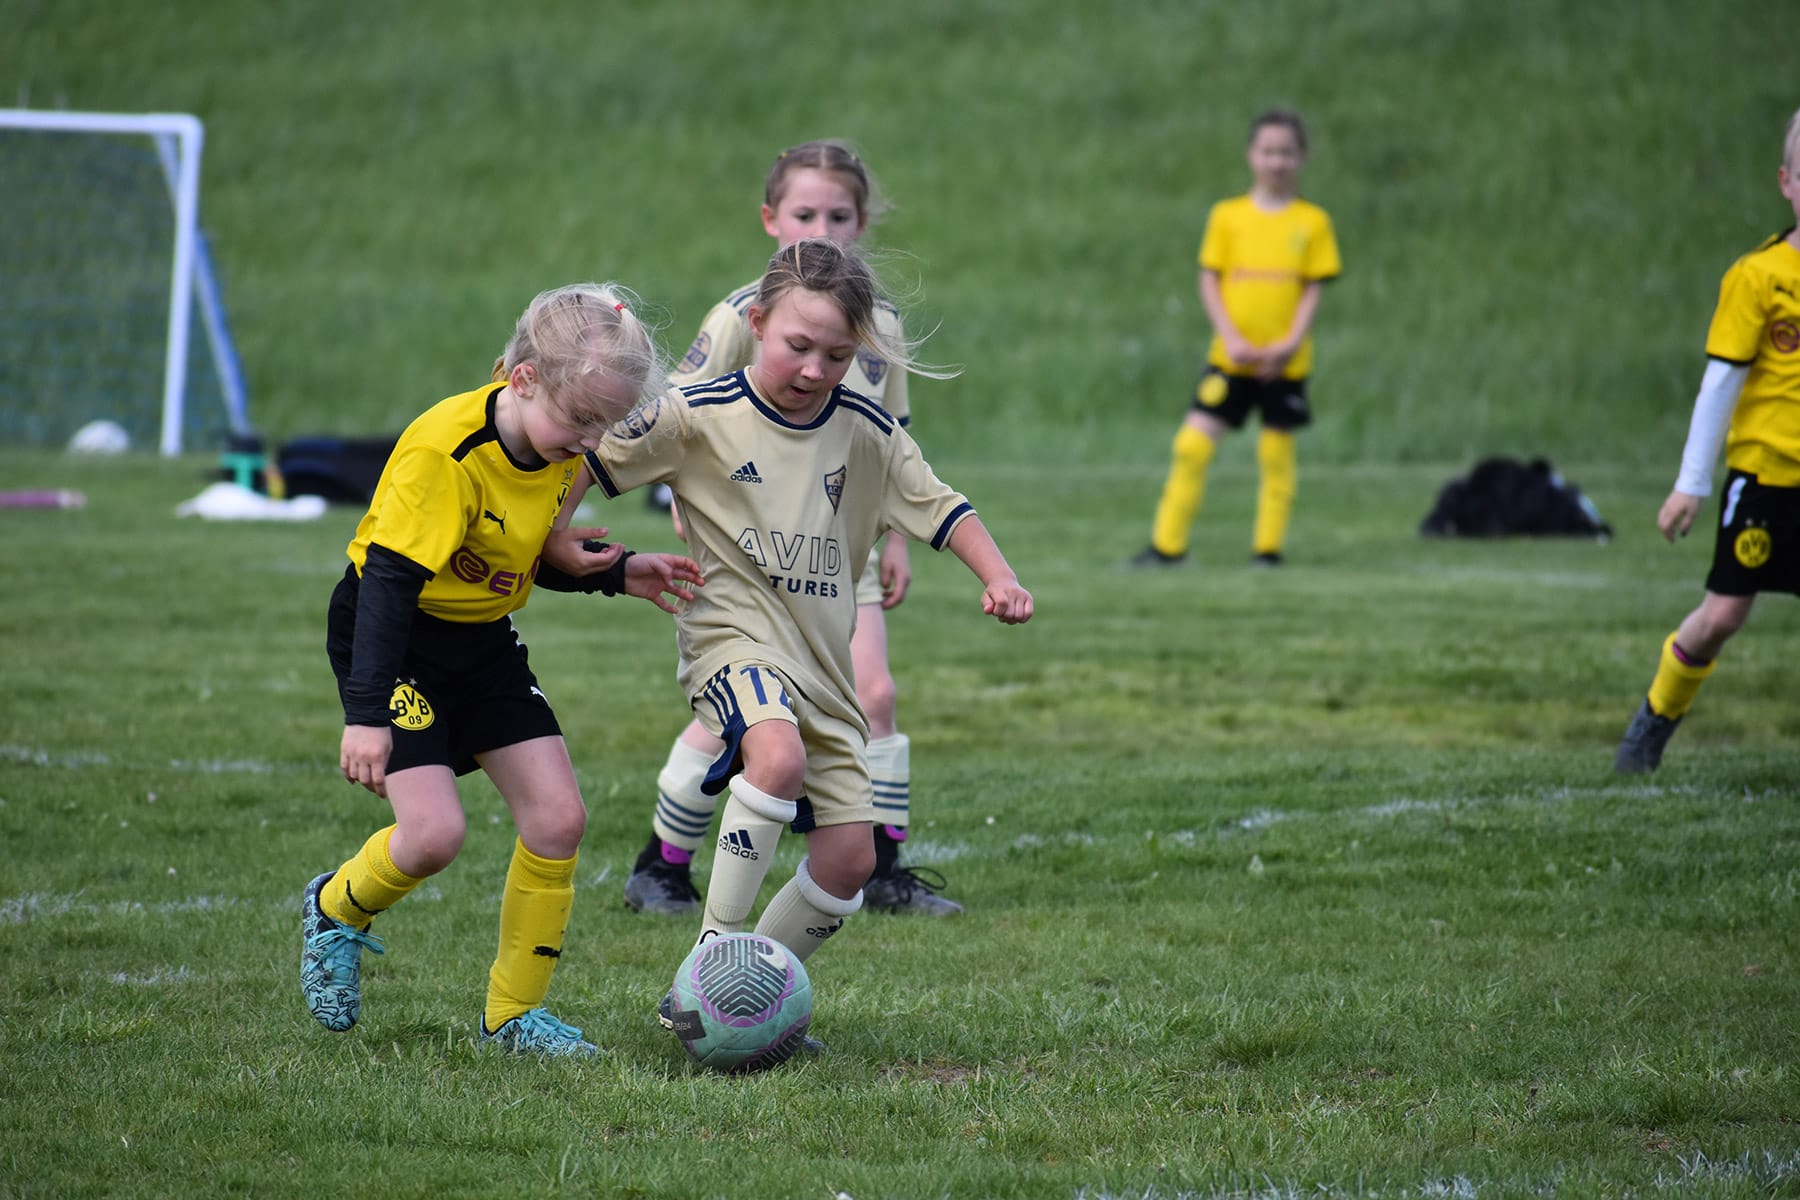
(742, 1003)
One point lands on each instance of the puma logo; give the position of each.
(500, 521)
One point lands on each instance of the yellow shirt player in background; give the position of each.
(1749, 398)
(816, 189)
(1264, 260)
(432, 675)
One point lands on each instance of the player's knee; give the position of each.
(879, 695)
(559, 832)
(434, 842)
(846, 869)
(776, 766)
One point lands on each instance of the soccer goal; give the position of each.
(110, 307)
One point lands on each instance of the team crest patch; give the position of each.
(1753, 547)
(1213, 389)
(1785, 336)
(640, 421)
(697, 353)
(873, 366)
(834, 486)
(410, 709)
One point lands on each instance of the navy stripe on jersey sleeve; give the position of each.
(942, 536)
(726, 389)
(600, 476)
(856, 402)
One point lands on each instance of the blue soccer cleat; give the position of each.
(537, 1032)
(331, 962)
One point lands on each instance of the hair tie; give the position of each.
(619, 307)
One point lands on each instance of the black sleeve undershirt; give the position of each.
(386, 600)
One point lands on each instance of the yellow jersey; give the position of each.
(454, 501)
(1264, 259)
(1757, 324)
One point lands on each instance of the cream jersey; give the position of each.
(778, 515)
(452, 497)
(1264, 260)
(725, 344)
(1757, 324)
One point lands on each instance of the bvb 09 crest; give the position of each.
(1753, 546)
(409, 709)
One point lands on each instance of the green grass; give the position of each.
(1312, 882)
(1305, 883)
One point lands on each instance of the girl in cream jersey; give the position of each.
(815, 189)
(785, 480)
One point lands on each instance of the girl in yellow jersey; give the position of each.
(433, 678)
(1264, 259)
(1750, 399)
(815, 189)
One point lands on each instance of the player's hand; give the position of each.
(1274, 360)
(656, 577)
(1006, 601)
(1240, 352)
(363, 756)
(1677, 514)
(896, 572)
(563, 550)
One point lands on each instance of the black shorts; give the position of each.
(463, 689)
(1758, 547)
(1281, 403)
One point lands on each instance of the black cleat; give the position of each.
(1268, 558)
(658, 886)
(1641, 749)
(907, 890)
(1150, 556)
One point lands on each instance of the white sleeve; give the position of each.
(1719, 389)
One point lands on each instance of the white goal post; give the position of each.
(87, 283)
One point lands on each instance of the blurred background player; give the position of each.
(1264, 259)
(1749, 398)
(765, 647)
(816, 189)
(432, 675)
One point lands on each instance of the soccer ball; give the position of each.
(741, 1003)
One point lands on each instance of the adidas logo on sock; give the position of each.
(746, 474)
(737, 841)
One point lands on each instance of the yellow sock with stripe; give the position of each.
(1274, 492)
(534, 911)
(367, 885)
(1182, 491)
(1677, 681)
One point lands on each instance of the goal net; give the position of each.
(110, 308)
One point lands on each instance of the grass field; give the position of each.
(1309, 883)
(1315, 882)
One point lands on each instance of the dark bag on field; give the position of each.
(343, 470)
(1503, 497)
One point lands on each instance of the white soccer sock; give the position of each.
(803, 914)
(683, 812)
(746, 849)
(890, 770)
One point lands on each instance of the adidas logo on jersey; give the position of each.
(746, 474)
(737, 841)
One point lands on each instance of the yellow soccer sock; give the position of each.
(367, 885)
(1275, 491)
(1182, 491)
(1673, 690)
(534, 911)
